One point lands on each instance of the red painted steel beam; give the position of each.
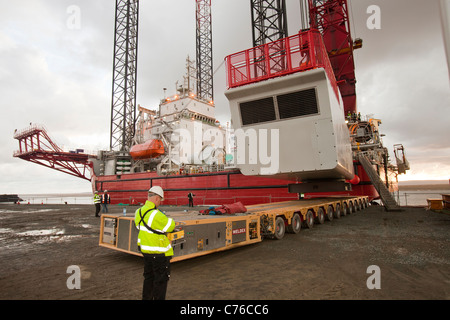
(331, 18)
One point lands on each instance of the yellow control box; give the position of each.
(175, 235)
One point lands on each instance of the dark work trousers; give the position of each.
(191, 202)
(97, 209)
(156, 276)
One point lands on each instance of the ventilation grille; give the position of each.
(296, 104)
(257, 111)
(301, 103)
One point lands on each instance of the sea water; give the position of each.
(73, 198)
(418, 197)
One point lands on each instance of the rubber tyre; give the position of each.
(320, 216)
(330, 213)
(296, 224)
(350, 208)
(337, 212)
(309, 219)
(344, 209)
(280, 228)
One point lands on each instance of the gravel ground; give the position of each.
(330, 261)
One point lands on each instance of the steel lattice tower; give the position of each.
(204, 50)
(268, 21)
(123, 105)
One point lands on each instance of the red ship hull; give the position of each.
(212, 188)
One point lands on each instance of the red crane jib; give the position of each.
(332, 20)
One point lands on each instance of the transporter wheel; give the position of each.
(344, 209)
(337, 212)
(309, 219)
(330, 213)
(280, 228)
(320, 216)
(350, 207)
(360, 205)
(296, 224)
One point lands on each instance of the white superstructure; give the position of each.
(191, 135)
(304, 119)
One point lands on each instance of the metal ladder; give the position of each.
(388, 200)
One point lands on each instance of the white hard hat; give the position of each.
(157, 190)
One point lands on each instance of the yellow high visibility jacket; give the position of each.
(152, 225)
(97, 198)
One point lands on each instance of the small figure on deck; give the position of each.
(191, 199)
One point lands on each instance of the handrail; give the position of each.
(301, 52)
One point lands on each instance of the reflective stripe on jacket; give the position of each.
(106, 198)
(153, 241)
(97, 198)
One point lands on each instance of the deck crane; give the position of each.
(304, 70)
(331, 18)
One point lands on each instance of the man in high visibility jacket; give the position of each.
(97, 201)
(154, 245)
(106, 199)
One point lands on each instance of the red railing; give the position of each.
(300, 52)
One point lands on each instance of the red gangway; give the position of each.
(36, 146)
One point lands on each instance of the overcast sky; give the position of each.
(58, 72)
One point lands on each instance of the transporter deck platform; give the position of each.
(199, 234)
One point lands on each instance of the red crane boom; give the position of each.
(331, 18)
